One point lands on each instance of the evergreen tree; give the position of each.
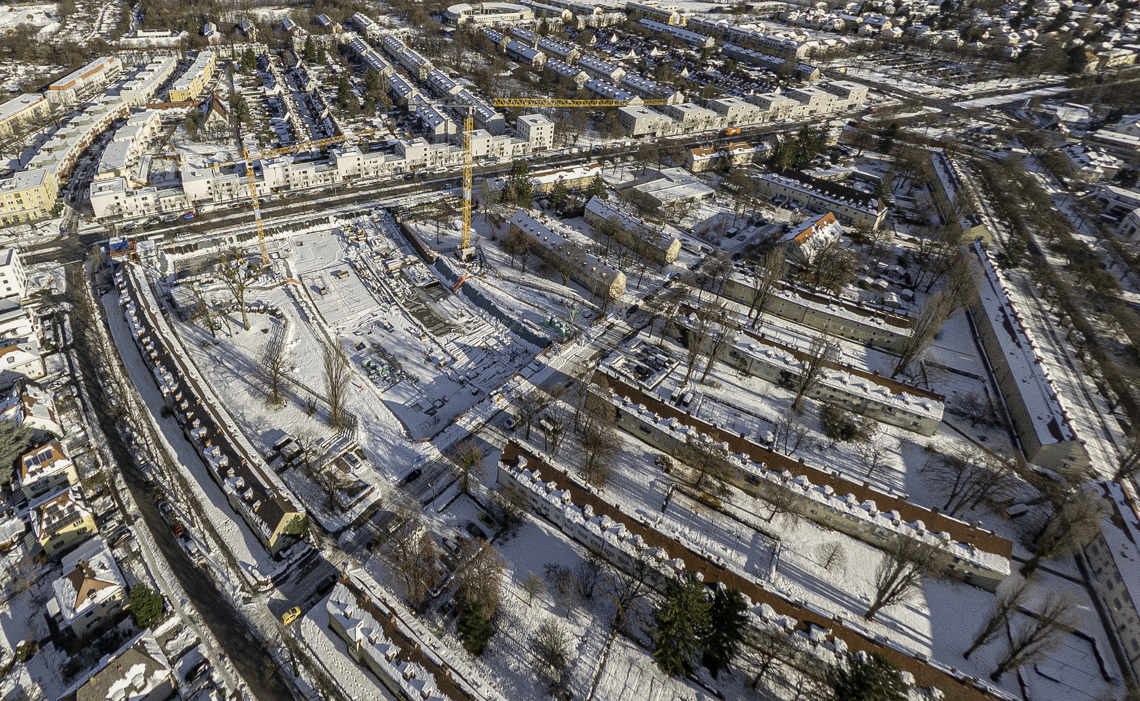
(519, 185)
(320, 53)
(145, 605)
(887, 138)
(867, 678)
(343, 91)
(726, 629)
(248, 61)
(597, 188)
(473, 628)
(309, 53)
(558, 195)
(15, 440)
(680, 620)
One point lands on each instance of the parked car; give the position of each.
(413, 476)
(473, 531)
(193, 674)
(291, 615)
(486, 521)
(177, 529)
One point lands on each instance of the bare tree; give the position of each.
(929, 322)
(413, 557)
(873, 454)
(819, 356)
(272, 370)
(1073, 523)
(766, 648)
(766, 281)
(699, 328)
(337, 376)
(790, 434)
(713, 274)
(1012, 593)
(600, 447)
(782, 501)
(517, 244)
(237, 274)
(722, 336)
(533, 587)
(831, 268)
(707, 459)
(554, 424)
(969, 476)
(204, 311)
(480, 576)
(973, 407)
(1041, 633)
(550, 646)
(625, 586)
(531, 405)
(561, 579)
(469, 458)
(587, 575)
(831, 556)
(901, 570)
(960, 288)
(1129, 464)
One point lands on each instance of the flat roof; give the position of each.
(19, 104)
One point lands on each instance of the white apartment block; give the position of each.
(1113, 559)
(193, 82)
(22, 109)
(13, 277)
(114, 197)
(84, 82)
(848, 204)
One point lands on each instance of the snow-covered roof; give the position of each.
(56, 511)
(90, 578)
(134, 672)
(45, 460)
(1042, 400)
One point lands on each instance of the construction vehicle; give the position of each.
(462, 279)
(464, 251)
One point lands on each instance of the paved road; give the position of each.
(248, 654)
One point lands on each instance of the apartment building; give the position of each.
(436, 124)
(737, 111)
(953, 201)
(254, 492)
(837, 316)
(972, 555)
(861, 392)
(600, 69)
(142, 87)
(735, 153)
(848, 204)
(82, 83)
(526, 55)
(569, 258)
(700, 41)
(608, 91)
(369, 56)
(61, 519)
(556, 49)
(1040, 419)
(25, 108)
(29, 405)
(486, 13)
(578, 76)
(13, 276)
(47, 469)
(197, 77)
(651, 90)
(1113, 561)
(658, 13)
(366, 25)
(537, 130)
(91, 591)
(19, 344)
(658, 247)
(26, 195)
(775, 64)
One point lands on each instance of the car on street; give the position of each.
(177, 529)
(413, 476)
(291, 615)
(195, 672)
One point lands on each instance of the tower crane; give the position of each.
(464, 250)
